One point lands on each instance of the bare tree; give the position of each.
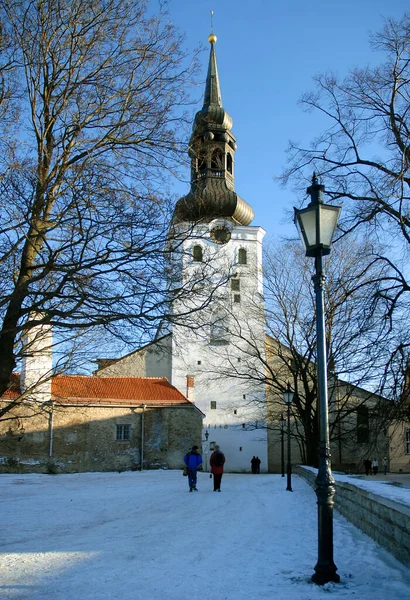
(363, 157)
(356, 340)
(101, 87)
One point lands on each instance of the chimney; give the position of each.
(37, 364)
(190, 388)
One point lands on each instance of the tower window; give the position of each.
(213, 404)
(219, 328)
(229, 163)
(242, 256)
(201, 163)
(235, 285)
(216, 160)
(237, 298)
(197, 253)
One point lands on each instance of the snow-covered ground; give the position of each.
(142, 536)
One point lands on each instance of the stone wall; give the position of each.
(83, 438)
(384, 520)
(153, 360)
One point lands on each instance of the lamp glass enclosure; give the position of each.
(288, 395)
(316, 225)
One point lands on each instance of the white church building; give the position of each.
(216, 356)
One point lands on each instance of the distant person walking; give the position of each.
(253, 464)
(385, 465)
(367, 466)
(193, 461)
(375, 466)
(217, 462)
(258, 464)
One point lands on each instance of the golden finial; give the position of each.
(212, 37)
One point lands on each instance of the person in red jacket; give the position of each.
(217, 462)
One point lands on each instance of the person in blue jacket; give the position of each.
(193, 461)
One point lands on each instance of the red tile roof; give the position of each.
(115, 390)
(13, 391)
(134, 391)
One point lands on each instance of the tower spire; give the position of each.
(212, 149)
(212, 88)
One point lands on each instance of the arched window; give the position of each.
(197, 253)
(201, 163)
(242, 256)
(216, 159)
(229, 163)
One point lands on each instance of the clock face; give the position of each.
(220, 234)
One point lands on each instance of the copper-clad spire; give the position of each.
(212, 88)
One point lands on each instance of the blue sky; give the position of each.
(267, 53)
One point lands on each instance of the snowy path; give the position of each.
(142, 536)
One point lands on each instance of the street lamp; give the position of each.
(288, 397)
(316, 225)
(206, 448)
(282, 453)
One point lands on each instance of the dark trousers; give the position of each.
(217, 481)
(192, 478)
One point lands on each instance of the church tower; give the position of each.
(222, 356)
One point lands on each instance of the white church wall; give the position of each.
(223, 369)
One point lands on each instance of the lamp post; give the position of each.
(282, 449)
(316, 225)
(288, 397)
(206, 449)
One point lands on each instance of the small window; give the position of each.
(243, 425)
(197, 253)
(244, 396)
(239, 360)
(123, 432)
(199, 362)
(229, 163)
(242, 256)
(237, 298)
(407, 441)
(240, 448)
(235, 412)
(235, 285)
(213, 404)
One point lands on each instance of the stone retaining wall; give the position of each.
(384, 520)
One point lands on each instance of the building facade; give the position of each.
(218, 335)
(98, 424)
